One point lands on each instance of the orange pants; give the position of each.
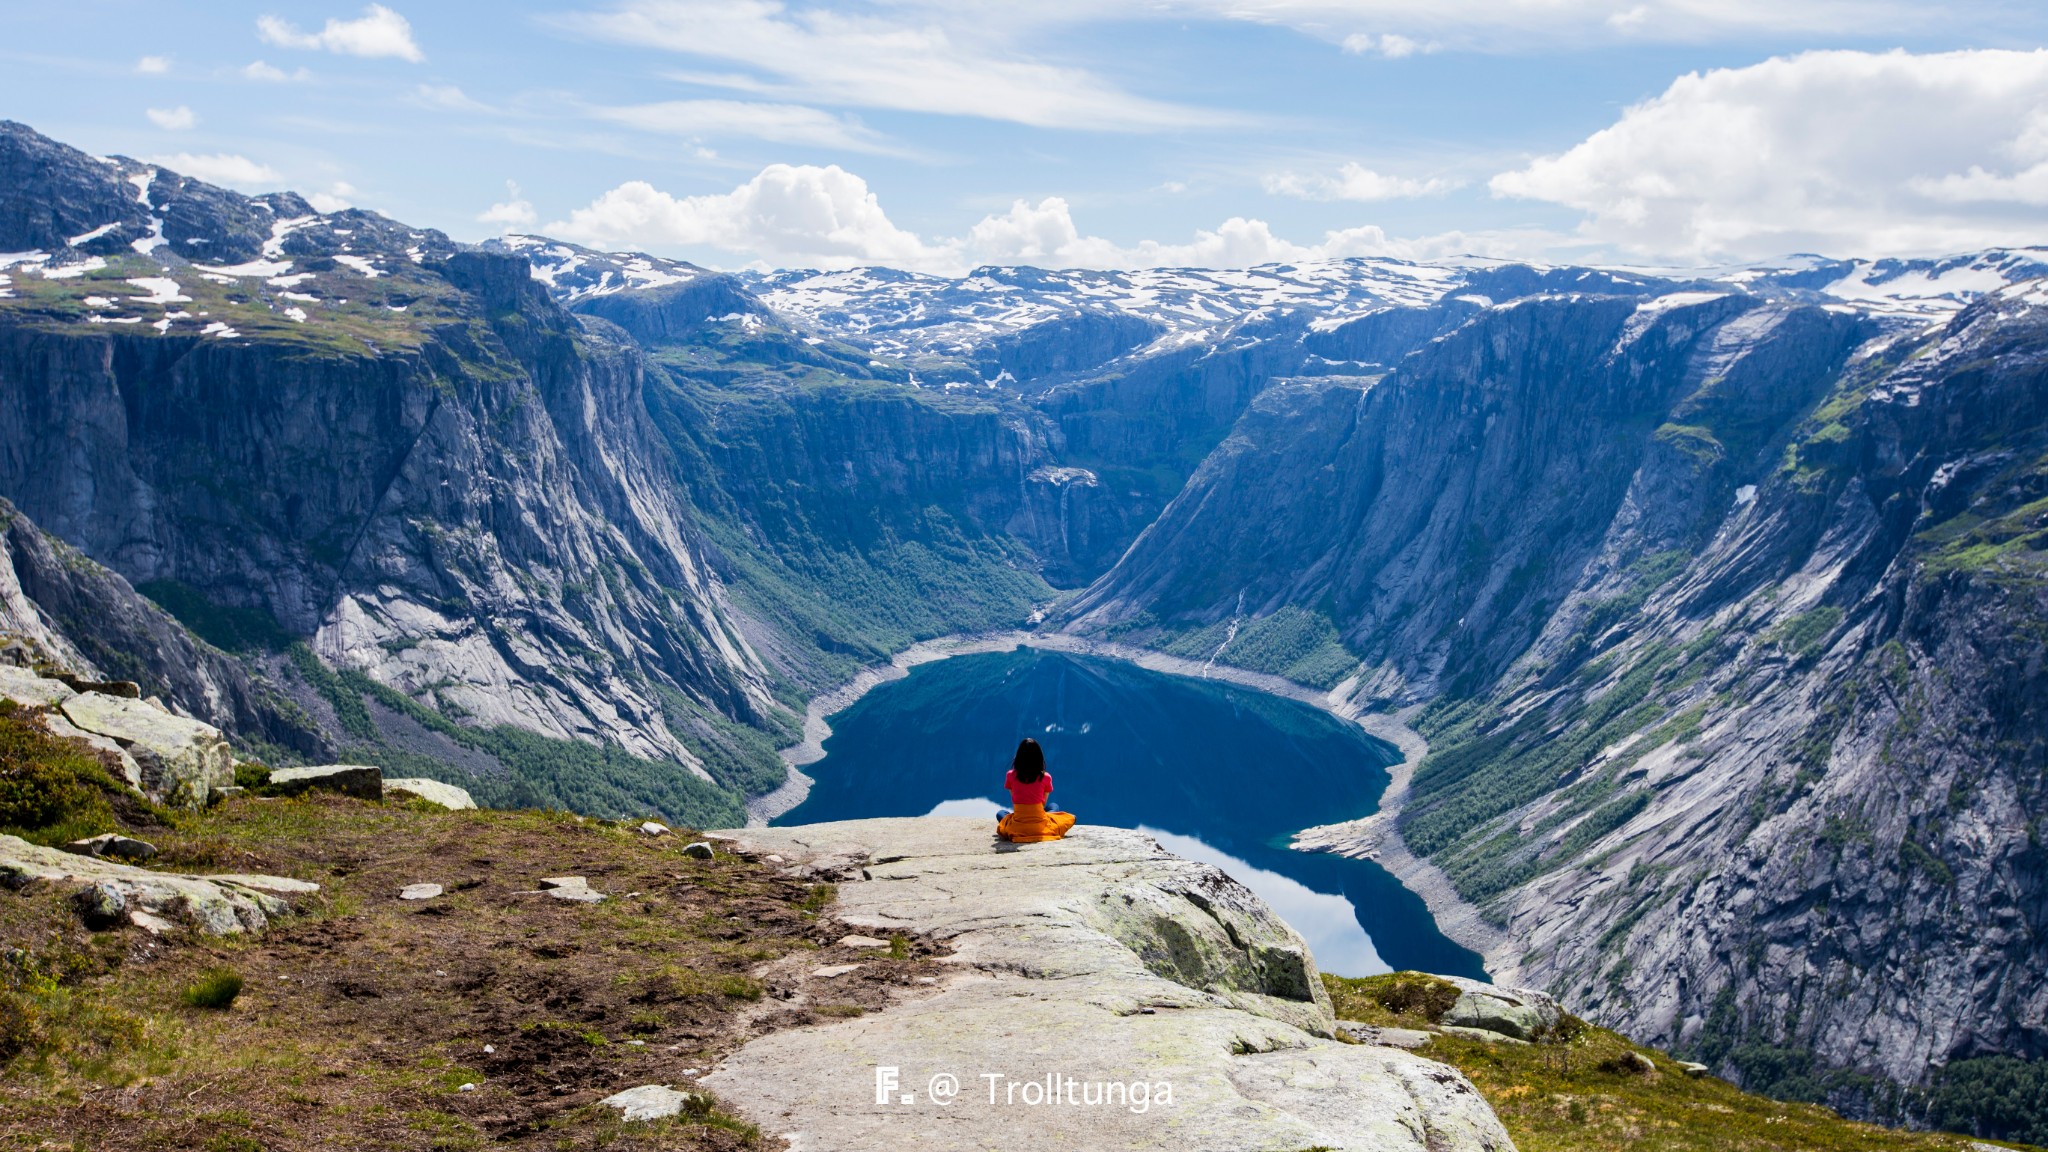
(1032, 824)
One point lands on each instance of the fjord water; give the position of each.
(1216, 771)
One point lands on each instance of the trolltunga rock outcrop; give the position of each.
(1098, 960)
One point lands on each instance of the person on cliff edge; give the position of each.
(1030, 784)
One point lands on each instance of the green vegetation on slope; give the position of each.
(52, 791)
(870, 554)
(1293, 643)
(226, 628)
(539, 771)
(1586, 1089)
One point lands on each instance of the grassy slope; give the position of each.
(361, 1016)
(1588, 1095)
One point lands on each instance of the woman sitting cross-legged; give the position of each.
(1029, 784)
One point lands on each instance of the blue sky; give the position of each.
(939, 135)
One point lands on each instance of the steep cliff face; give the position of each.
(1730, 610)
(412, 457)
(864, 517)
(60, 610)
(1437, 515)
(1801, 820)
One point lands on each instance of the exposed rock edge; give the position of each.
(1100, 958)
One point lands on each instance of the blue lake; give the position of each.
(1216, 772)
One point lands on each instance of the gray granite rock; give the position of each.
(114, 845)
(182, 761)
(648, 1102)
(1101, 959)
(433, 791)
(100, 905)
(218, 905)
(25, 687)
(1521, 1013)
(363, 781)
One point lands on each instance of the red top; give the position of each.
(1033, 793)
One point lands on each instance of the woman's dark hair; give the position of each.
(1029, 762)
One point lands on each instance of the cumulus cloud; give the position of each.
(272, 74)
(223, 168)
(515, 214)
(153, 65)
(176, 119)
(782, 123)
(827, 217)
(377, 32)
(786, 214)
(946, 59)
(335, 199)
(1837, 152)
(1354, 181)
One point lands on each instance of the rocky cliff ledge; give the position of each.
(1088, 975)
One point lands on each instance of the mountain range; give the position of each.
(1718, 593)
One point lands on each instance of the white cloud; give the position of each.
(828, 218)
(377, 32)
(782, 123)
(784, 214)
(514, 215)
(1045, 234)
(934, 58)
(153, 65)
(1517, 25)
(1392, 45)
(1354, 181)
(335, 199)
(270, 73)
(176, 119)
(450, 97)
(222, 168)
(1847, 153)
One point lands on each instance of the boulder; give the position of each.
(25, 687)
(100, 906)
(181, 761)
(432, 791)
(1105, 961)
(1518, 1013)
(698, 851)
(574, 889)
(363, 781)
(55, 723)
(218, 905)
(115, 845)
(126, 689)
(648, 1102)
(1488, 1035)
(654, 828)
(419, 891)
